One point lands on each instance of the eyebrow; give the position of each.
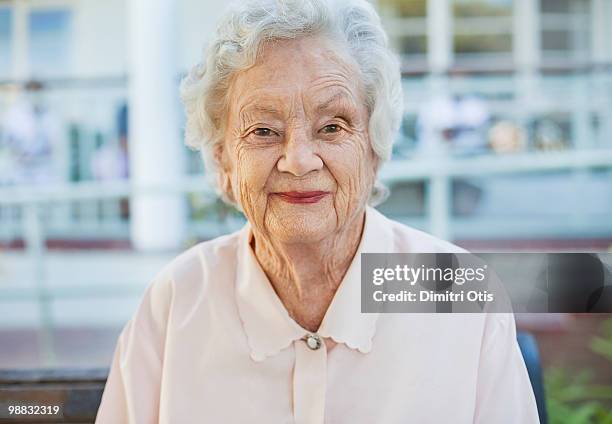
(260, 108)
(339, 96)
(253, 104)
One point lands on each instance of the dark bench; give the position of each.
(76, 392)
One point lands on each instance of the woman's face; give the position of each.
(297, 156)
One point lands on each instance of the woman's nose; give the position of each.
(300, 154)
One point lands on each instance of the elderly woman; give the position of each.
(295, 108)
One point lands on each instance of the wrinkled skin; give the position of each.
(297, 122)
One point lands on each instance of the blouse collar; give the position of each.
(268, 326)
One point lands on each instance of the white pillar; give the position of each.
(526, 34)
(601, 34)
(526, 46)
(439, 204)
(157, 217)
(439, 35)
(439, 58)
(601, 54)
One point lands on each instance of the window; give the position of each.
(482, 31)
(565, 34)
(406, 24)
(50, 52)
(5, 42)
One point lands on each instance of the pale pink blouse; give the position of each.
(212, 343)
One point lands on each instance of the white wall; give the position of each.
(100, 31)
(197, 22)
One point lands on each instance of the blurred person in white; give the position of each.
(435, 118)
(472, 118)
(110, 160)
(295, 108)
(452, 124)
(30, 134)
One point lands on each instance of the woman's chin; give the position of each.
(305, 226)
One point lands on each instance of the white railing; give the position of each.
(437, 173)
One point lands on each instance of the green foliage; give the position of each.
(602, 345)
(461, 8)
(213, 211)
(405, 8)
(573, 398)
(203, 207)
(479, 44)
(476, 8)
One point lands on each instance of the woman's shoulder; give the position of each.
(191, 273)
(190, 282)
(220, 251)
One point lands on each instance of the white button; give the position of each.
(313, 341)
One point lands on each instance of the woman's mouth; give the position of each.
(301, 196)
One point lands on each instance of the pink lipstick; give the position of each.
(301, 197)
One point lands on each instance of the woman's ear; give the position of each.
(374, 162)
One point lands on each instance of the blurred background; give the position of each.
(505, 145)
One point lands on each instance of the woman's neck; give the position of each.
(306, 276)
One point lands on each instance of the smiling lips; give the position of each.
(301, 196)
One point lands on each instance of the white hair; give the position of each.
(240, 35)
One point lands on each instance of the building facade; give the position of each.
(481, 77)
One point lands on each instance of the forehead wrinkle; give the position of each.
(331, 78)
(291, 102)
(254, 104)
(335, 81)
(342, 98)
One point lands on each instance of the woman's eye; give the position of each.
(263, 132)
(331, 128)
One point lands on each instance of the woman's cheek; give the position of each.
(253, 169)
(348, 164)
